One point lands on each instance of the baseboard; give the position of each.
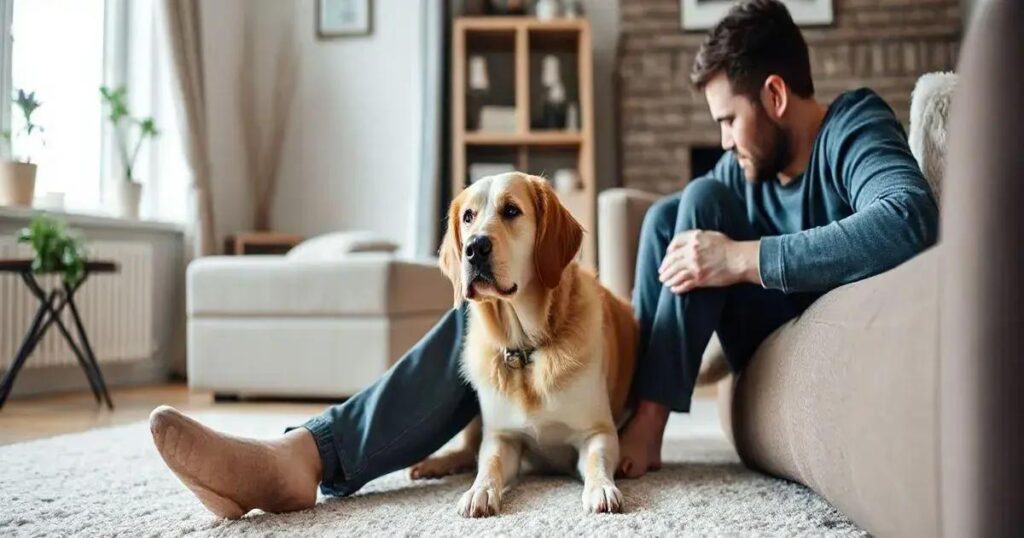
(70, 378)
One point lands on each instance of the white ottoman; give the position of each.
(277, 326)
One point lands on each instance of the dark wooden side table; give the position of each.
(50, 307)
(260, 243)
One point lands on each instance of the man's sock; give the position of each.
(233, 475)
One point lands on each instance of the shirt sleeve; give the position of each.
(894, 217)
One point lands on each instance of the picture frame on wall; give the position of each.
(699, 15)
(343, 18)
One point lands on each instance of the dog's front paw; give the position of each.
(479, 501)
(602, 498)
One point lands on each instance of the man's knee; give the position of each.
(703, 201)
(661, 216)
(703, 193)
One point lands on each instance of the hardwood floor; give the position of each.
(35, 418)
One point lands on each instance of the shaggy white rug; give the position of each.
(111, 482)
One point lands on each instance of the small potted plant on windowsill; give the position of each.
(128, 191)
(18, 175)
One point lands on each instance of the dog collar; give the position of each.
(516, 359)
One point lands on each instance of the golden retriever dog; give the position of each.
(549, 350)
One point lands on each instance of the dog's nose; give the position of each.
(478, 249)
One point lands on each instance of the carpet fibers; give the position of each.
(111, 481)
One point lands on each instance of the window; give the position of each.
(64, 50)
(57, 52)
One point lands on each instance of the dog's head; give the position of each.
(506, 233)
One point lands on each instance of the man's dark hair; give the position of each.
(757, 38)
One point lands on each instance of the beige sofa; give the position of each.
(897, 397)
(294, 326)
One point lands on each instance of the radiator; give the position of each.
(116, 308)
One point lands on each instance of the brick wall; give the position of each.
(882, 44)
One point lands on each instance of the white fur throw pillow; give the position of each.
(337, 244)
(929, 116)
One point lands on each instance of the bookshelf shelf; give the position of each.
(513, 48)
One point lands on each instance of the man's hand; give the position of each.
(704, 259)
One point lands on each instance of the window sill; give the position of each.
(26, 214)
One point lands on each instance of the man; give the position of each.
(806, 198)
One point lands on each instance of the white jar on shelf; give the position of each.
(548, 9)
(551, 71)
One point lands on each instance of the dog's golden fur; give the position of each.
(571, 294)
(538, 298)
(577, 294)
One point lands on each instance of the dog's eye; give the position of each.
(467, 217)
(510, 212)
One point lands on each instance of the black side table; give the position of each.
(50, 307)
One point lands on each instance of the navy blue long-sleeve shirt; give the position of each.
(861, 207)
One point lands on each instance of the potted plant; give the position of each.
(18, 176)
(57, 250)
(128, 191)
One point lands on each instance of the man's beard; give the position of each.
(775, 154)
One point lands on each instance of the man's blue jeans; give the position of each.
(423, 401)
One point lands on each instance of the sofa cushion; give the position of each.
(339, 244)
(357, 285)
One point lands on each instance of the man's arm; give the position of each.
(895, 215)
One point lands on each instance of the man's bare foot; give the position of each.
(233, 475)
(640, 440)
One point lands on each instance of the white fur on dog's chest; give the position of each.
(555, 430)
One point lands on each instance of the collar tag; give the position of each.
(516, 359)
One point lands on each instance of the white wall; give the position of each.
(351, 157)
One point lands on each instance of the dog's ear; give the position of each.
(559, 236)
(450, 254)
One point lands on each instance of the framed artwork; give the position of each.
(703, 14)
(343, 18)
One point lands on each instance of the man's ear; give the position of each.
(558, 237)
(774, 96)
(450, 254)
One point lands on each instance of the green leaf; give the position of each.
(27, 103)
(115, 99)
(148, 127)
(56, 249)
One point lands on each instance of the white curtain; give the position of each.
(184, 44)
(265, 122)
(425, 225)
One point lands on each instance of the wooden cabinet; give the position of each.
(514, 49)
